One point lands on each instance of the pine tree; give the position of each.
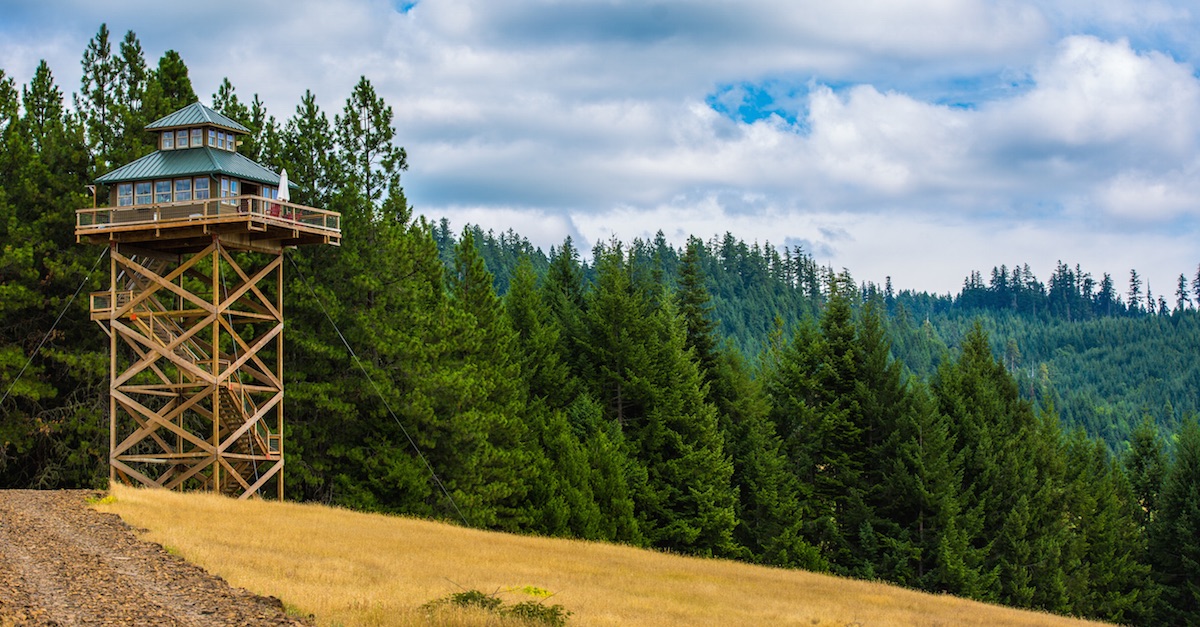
(1145, 464)
(562, 495)
(1135, 292)
(769, 513)
(638, 367)
(1183, 298)
(51, 425)
(495, 457)
(372, 163)
(696, 309)
(98, 102)
(1174, 545)
(131, 86)
(168, 88)
(1196, 285)
(817, 409)
(923, 479)
(616, 475)
(692, 502)
(978, 399)
(884, 405)
(308, 153)
(1106, 576)
(768, 508)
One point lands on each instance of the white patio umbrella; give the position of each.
(283, 186)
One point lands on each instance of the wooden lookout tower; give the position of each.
(194, 309)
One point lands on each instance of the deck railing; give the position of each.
(182, 212)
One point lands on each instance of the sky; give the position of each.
(894, 138)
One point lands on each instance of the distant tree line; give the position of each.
(1071, 294)
(718, 400)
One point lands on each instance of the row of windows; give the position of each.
(176, 190)
(194, 138)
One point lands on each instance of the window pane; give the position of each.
(233, 188)
(221, 139)
(124, 194)
(181, 139)
(197, 138)
(212, 137)
(143, 194)
(162, 191)
(201, 188)
(168, 140)
(183, 189)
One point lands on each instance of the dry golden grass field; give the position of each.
(349, 568)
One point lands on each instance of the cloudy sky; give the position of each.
(913, 139)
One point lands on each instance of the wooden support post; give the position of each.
(190, 396)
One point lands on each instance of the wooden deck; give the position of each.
(250, 222)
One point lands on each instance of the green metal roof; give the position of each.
(191, 162)
(195, 114)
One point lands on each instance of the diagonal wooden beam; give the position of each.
(253, 490)
(250, 422)
(200, 464)
(141, 353)
(250, 353)
(175, 411)
(251, 284)
(141, 434)
(233, 472)
(160, 351)
(129, 470)
(132, 405)
(161, 282)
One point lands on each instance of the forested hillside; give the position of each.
(1106, 365)
(720, 399)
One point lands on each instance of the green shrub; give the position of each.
(530, 612)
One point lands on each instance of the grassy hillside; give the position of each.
(350, 568)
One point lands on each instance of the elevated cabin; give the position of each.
(196, 185)
(195, 324)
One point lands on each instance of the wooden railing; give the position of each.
(182, 212)
(103, 303)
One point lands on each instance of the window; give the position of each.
(168, 140)
(143, 193)
(221, 140)
(233, 188)
(183, 189)
(201, 188)
(212, 137)
(162, 191)
(197, 137)
(125, 194)
(181, 139)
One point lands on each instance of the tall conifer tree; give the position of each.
(1175, 533)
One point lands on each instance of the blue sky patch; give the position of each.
(749, 102)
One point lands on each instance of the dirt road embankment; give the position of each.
(61, 563)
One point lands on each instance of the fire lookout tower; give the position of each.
(194, 309)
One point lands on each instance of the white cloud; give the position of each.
(590, 118)
(1151, 197)
(886, 142)
(1094, 93)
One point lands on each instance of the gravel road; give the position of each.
(62, 563)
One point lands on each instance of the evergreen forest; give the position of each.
(1026, 443)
